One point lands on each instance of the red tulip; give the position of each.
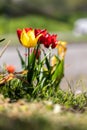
(46, 38)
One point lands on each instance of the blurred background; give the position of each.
(67, 18)
(57, 16)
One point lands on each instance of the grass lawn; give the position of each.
(8, 27)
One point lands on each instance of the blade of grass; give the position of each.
(4, 48)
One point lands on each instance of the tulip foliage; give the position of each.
(44, 69)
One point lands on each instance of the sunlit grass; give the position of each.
(9, 25)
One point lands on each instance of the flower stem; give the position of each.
(31, 67)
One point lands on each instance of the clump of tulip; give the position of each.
(44, 70)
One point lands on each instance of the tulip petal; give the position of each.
(32, 39)
(24, 38)
(61, 49)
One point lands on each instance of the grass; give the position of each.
(22, 115)
(8, 27)
(39, 122)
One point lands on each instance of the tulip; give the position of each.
(49, 40)
(46, 39)
(27, 37)
(54, 61)
(61, 49)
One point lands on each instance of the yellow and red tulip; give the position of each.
(27, 37)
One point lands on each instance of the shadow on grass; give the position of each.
(36, 122)
(31, 123)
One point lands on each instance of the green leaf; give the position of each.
(59, 71)
(31, 66)
(46, 60)
(23, 64)
(31, 58)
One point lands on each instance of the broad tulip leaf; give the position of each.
(46, 60)
(59, 71)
